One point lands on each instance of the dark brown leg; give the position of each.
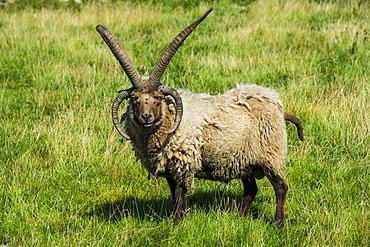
(178, 195)
(171, 182)
(250, 191)
(281, 188)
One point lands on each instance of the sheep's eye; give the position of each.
(159, 98)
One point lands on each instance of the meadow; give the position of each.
(66, 179)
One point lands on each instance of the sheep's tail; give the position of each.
(296, 122)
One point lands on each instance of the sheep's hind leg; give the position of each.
(250, 191)
(281, 188)
(178, 195)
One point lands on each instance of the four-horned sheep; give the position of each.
(182, 135)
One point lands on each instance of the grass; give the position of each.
(65, 179)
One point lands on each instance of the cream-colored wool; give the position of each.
(220, 137)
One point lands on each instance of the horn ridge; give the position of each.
(122, 57)
(164, 60)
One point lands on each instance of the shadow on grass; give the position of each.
(161, 209)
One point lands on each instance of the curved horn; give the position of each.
(117, 50)
(160, 67)
(166, 90)
(124, 94)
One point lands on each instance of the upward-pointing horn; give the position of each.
(160, 67)
(117, 50)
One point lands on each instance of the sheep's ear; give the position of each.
(123, 118)
(171, 103)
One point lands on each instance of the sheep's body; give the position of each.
(181, 135)
(220, 137)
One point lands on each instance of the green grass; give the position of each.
(66, 180)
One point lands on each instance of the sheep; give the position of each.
(180, 135)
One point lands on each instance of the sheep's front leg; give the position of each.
(178, 195)
(171, 182)
(250, 191)
(281, 188)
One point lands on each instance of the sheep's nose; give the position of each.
(146, 117)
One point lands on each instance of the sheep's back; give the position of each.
(241, 128)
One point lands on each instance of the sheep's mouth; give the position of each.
(147, 125)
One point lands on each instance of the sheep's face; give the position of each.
(147, 106)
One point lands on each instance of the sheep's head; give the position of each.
(147, 95)
(147, 104)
